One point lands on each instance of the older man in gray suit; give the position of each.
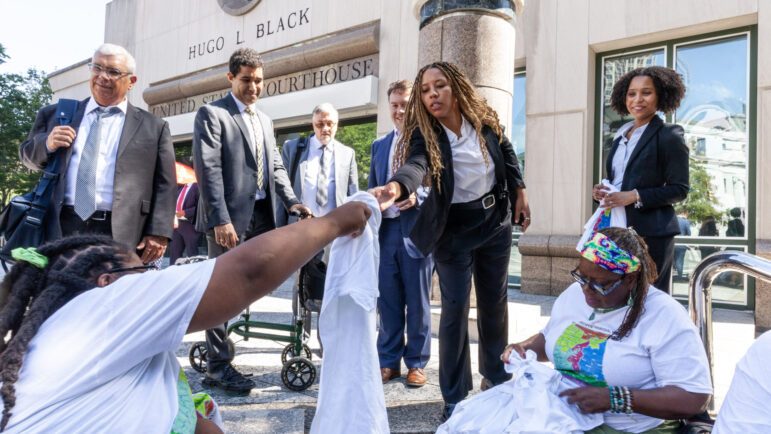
(239, 173)
(324, 170)
(116, 162)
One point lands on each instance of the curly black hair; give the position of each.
(670, 89)
(31, 295)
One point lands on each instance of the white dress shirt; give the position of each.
(624, 151)
(259, 194)
(310, 182)
(108, 151)
(473, 177)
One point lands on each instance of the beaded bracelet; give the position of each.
(621, 399)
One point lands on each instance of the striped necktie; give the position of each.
(257, 130)
(85, 187)
(322, 183)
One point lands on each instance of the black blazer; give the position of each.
(144, 188)
(658, 169)
(430, 224)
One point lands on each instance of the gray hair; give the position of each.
(325, 107)
(117, 50)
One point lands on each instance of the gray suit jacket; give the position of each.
(144, 187)
(226, 166)
(346, 172)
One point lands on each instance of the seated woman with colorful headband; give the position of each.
(89, 337)
(633, 346)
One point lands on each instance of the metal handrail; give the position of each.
(700, 308)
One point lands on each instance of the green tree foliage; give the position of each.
(21, 96)
(700, 203)
(360, 138)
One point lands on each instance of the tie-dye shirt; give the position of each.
(663, 349)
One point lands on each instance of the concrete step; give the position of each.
(267, 421)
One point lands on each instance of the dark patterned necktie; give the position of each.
(85, 187)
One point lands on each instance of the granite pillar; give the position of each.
(479, 41)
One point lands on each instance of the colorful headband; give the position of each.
(29, 255)
(604, 252)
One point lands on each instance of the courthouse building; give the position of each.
(547, 66)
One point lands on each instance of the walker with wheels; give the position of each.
(298, 372)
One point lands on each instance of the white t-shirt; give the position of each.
(663, 349)
(747, 406)
(105, 362)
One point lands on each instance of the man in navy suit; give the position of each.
(405, 274)
(185, 236)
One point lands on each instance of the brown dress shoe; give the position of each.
(389, 374)
(416, 377)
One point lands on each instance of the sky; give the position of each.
(64, 32)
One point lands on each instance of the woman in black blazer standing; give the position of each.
(453, 141)
(648, 162)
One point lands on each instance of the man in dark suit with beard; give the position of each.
(239, 172)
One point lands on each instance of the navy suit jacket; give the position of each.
(378, 175)
(658, 169)
(190, 204)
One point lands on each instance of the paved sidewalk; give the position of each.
(271, 408)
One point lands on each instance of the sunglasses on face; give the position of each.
(135, 268)
(583, 281)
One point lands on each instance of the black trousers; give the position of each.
(662, 251)
(218, 351)
(475, 243)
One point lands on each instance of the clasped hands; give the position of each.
(606, 199)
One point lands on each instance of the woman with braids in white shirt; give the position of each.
(633, 346)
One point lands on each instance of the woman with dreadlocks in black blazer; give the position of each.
(453, 140)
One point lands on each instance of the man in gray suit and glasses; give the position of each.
(239, 173)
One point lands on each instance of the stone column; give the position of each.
(475, 37)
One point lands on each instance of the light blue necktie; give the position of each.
(85, 187)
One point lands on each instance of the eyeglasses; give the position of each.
(322, 124)
(135, 268)
(111, 73)
(595, 286)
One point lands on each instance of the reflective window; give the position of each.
(517, 137)
(714, 116)
(728, 287)
(518, 120)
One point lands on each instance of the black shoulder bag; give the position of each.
(21, 221)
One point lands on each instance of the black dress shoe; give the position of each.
(448, 409)
(229, 381)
